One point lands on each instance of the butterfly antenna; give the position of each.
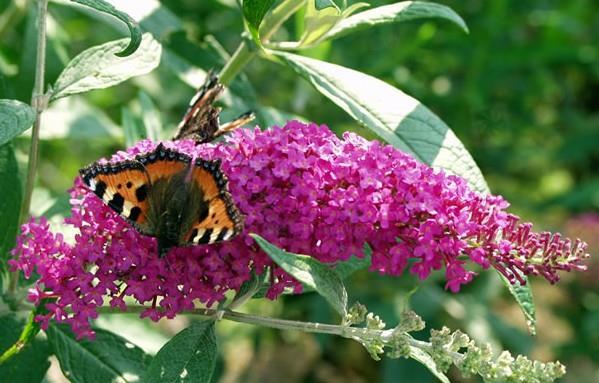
(243, 119)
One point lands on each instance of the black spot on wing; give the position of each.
(134, 213)
(206, 237)
(100, 188)
(203, 213)
(194, 232)
(117, 202)
(141, 193)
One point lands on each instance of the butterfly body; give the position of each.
(166, 195)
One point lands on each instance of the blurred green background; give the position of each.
(521, 91)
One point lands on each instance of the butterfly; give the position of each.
(167, 195)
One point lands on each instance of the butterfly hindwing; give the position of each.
(219, 219)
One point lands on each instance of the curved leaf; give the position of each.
(428, 362)
(318, 21)
(253, 12)
(15, 118)
(523, 296)
(396, 117)
(322, 4)
(109, 358)
(395, 13)
(310, 272)
(134, 29)
(189, 357)
(98, 67)
(346, 268)
(11, 192)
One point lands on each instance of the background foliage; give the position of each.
(521, 91)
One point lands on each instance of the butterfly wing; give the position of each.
(124, 186)
(220, 219)
(201, 121)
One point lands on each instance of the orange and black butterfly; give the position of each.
(164, 194)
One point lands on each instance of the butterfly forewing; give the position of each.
(119, 186)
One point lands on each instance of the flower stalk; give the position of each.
(445, 348)
(245, 52)
(39, 102)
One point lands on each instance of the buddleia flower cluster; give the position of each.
(305, 190)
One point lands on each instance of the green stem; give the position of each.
(38, 102)
(240, 58)
(28, 334)
(244, 53)
(355, 333)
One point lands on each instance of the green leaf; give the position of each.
(253, 12)
(426, 360)
(396, 117)
(523, 296)
(15, 118)
(109, 358)
(31, 363)
(98, 67)
(134, 30)
(346, 268)
(322, 4)
(395, 13)
(189, 357)
(10, 203)
(310, 272)
(317, 22)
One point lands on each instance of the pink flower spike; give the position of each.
(303, 189)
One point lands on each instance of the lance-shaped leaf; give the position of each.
(15, 118)
(109, 358)
(396, 117)
(322, 4)
(189, 357)
(98, 67)
(523, 296)
(321, 17)
(134, 29)
(253, 12)
(346, 268)
(11, 192)
(427, 361)
(395, 13)
(314, 274)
